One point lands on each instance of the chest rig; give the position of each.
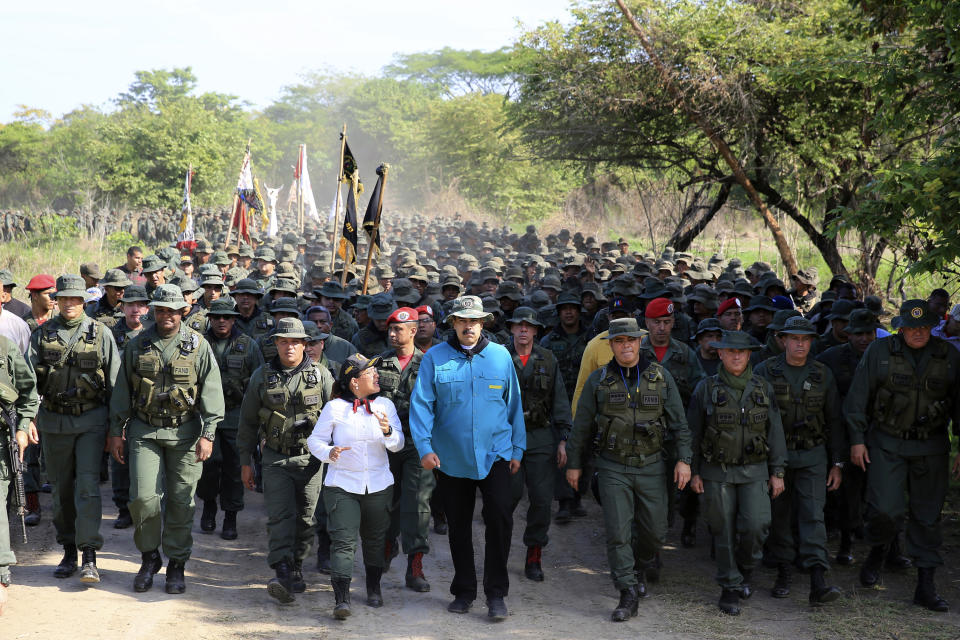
(629, 422)
(804, 425)
(289, 408)
(165, 393)
(536, 384)
(736, 435)
(913, 405)
(70, 374)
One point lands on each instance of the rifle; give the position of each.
(19, 494)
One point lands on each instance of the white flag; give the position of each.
(272, 196)
(306, 192)
(186, 221)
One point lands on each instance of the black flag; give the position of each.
(349, 235)
(371, 219)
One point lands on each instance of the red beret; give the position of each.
(658, 308)
(41, 282)
(425, 310)
(729, 304)
(403, 314)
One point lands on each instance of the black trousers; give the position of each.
(458, 497)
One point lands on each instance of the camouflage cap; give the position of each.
(187, 285)
(6, 278)
(212, 279)
(135, 293)
(467, 307)
(153, 263)
(510, 290)
(284, 305)
(267, 254)
(115, 278)
(381, 306)
(798, 326)
(314, 332)
(71, 286)
(224, 306)
(249, 286)
(861, 321)
(168, 296)
(526, 314)
(291, 328)
(707, 324)
(332, 289)
(739, 340)
(404, 292)
(624, 327)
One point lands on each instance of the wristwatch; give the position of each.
(838, 465)
(779, 474)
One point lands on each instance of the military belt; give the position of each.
(632, 461)
(72, 409)
(291, 452)
(161, 421)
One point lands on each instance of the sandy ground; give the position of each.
(226, 596)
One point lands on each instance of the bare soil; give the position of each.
(226, 595)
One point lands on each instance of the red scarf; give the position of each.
(361, 402)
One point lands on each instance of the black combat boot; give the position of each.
(533, 568)
(653, 569)
(845, 554)
(150, 564)
(781, 586)
(926, 594)
(576, 509)
(281, 587)
(628, 605)
(341, 594)
(870, 571)
(414, 578)
(208, 519)
(88, 571)
(896, 561)
(176, 583)
(730, 602)
(374, 597)
(688, 537)
(124, 520)
(820, 591)
(323, 551)
(229, 529)
(68, 565)
(296, 577)
(641, 583)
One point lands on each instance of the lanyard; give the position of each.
(633, 401)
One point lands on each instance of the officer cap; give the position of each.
(916, 313)
(168, 296)
(71, 286)
(224, 306)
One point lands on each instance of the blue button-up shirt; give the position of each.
(467, 410)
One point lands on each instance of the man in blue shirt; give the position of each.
(466, 419)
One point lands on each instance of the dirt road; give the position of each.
(226, 597)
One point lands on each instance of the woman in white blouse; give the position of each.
(353, 434)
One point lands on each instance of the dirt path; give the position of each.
(226, 597)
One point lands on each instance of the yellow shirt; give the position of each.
(596, 354)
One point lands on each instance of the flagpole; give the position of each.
(376, 228)
(236, 195)
(300, 188)
(336, 214)
(350, 250)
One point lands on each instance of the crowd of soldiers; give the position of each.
(669, 385)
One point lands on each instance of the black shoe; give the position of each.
(460, 604)
(323, 552)
(176, 583)
(281, 587)
(150, 564)
(124, 520)
(68, 565)
(641, 583)
(341, 594)
(533, 569)
(374, 597)
(563, 512)
(627, 607)
(414, 577)
(730, 602)
(440, 523)
(496, 609)
(896, 561)
(688, 538)
(926, 593)
(208, 520)
(820, 591)
(296, 575)
(576, 509)
(88, 572)
(746, 589)
(870, 571)
(845, 554)
(229, 529)
(781, 586)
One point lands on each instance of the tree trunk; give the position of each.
(690, 226)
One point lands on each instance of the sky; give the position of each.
(64, 54)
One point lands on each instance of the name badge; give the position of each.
(617, 398)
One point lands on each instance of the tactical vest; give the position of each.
(234, 372)
(73, 380)
(536, 387)
(568, 356)
(8, 390)
(268, 347)
(370, 343)
(629, 424)
(804, 425)
(398, 386)
(289, 409)
(736, 435)
(257, 326)
(911, 406)
(198, 321)
(165, 394)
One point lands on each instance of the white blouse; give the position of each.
(365, 467)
